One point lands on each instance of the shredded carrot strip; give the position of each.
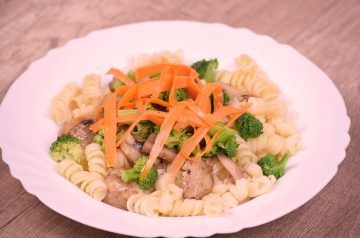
(120, 75)
(203, 98)
(147, 71)
(165, 130)
(97, 125)
(110, 130)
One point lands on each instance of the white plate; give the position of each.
(27, 131)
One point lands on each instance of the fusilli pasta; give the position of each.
(61, 108)
(255, 83)
(96, 160)
(243, 189)
(87, 182)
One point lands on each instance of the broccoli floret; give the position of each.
(177, 138)
(99, 138)
(117, 85)
(270, 166)
(157, 129)
(248, 126)
(225, 142)
(229, 147)
(149, 181)
(164, 96)
(206, 69)
(180, 94)
(131, 75)
(226, 97)
(133, 174)
(66, 147)
(154, 75)
(143, 129)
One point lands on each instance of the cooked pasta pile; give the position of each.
(167, 139)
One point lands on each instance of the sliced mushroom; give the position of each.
(195, 179)
(234, 92)
(113, 83)
(165, 153)
(230, 166)
(80, 128)
(119, 192)
(131, 151)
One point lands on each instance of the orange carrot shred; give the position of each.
(120, 75)
(110, 125)
(164, 133)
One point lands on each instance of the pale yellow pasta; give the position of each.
(254, 170)
(96, 160)
(169, 202)
(87, 182)
(246, 64)
(254, 83)
(83, 110)
(267, 109)
(158, 202)
(292, 144)
(91, 90)
(283, 127)
(233, 194)
(244, 155)
(61, 105)
(164, 181)
(260, 185)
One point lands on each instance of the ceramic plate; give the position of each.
(27, 131)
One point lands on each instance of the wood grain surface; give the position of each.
(327, 32)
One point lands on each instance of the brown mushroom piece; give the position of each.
(234, 92)
(132, 152)
(80, 128)
(165, 153)
(119, 191)
(115, 82)
(230, 166)
(195, 179)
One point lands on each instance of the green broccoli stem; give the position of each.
(129, 175)
(283, 160)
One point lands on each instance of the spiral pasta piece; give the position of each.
(254, 83)
(87, 182)
(96, 160)
(61, 104)
(283, 127)
(83, 110)
(244, 189)
(244, 155)
(91, 89)
(169, 202)
(261, 185)
(246, 64)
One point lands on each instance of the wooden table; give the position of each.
(327, 32)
